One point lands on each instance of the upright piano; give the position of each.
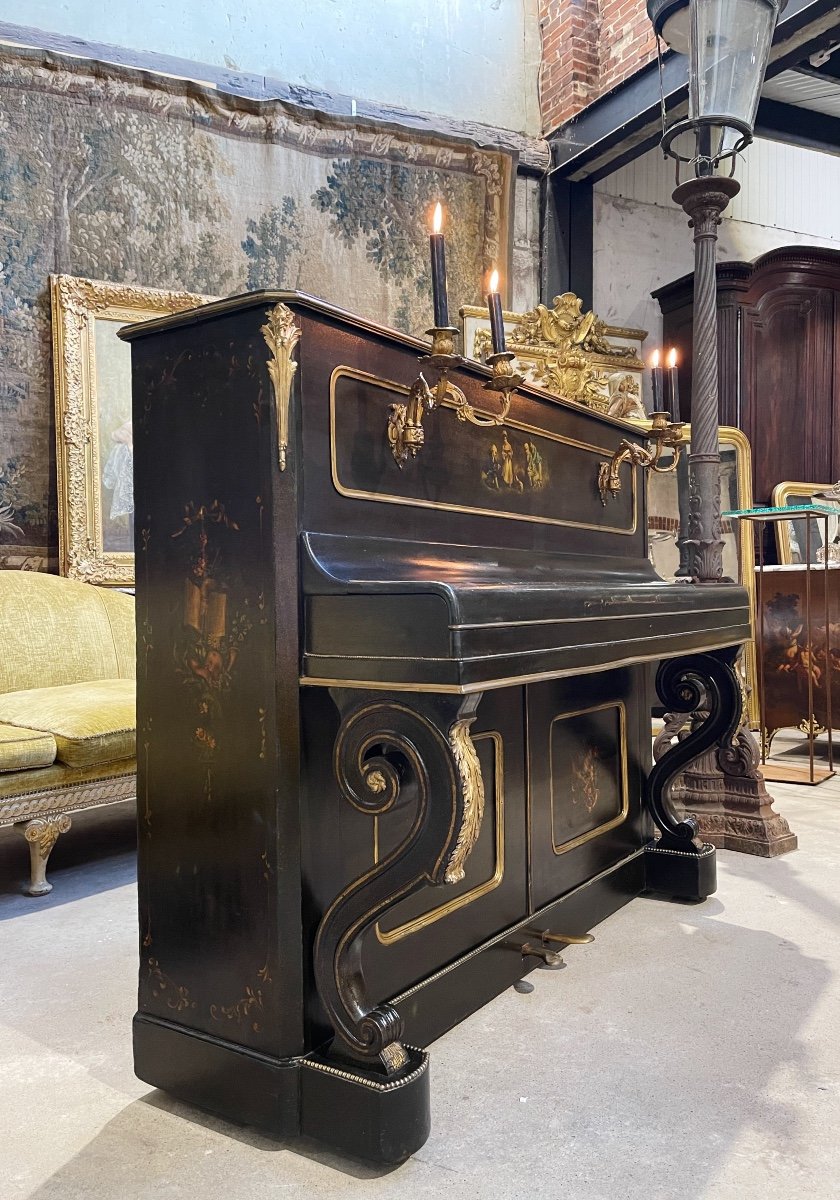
(394, 694)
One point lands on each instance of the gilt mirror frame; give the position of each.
(728, 438)
(77, 305)
(791, 492)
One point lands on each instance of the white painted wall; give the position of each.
(642, 240)
(470, 59)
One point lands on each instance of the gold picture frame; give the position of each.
(738, 551)
(92, 375)
(787, 548)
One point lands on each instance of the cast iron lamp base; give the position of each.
(722, 788)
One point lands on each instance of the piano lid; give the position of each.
(385, 613)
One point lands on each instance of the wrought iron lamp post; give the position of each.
(728, 45)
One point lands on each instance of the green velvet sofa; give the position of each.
(67, 706)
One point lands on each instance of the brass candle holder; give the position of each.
(664, 433)
(405, 421)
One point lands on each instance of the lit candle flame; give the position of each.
(672, 357)
(494, 282)
(654, 359)
(437, 220)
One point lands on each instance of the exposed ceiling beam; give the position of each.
(797, 126)
(627, 121)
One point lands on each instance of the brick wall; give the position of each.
(588, 46)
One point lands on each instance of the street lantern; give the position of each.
(728, 44)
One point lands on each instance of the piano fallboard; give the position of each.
(382, 612)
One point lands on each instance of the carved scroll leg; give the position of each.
(706, 686)
(384, 747)
(724, 790)
(42, 834)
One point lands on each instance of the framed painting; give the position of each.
(790, 535)
(92, 374)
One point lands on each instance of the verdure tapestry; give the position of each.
(132, 178)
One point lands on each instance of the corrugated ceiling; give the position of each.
(803, 90)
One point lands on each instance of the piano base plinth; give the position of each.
(681, 874)
(349, 1109)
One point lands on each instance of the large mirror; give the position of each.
(94, 457)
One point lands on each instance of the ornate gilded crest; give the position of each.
(570, 353)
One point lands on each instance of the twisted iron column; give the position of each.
(724, 790)
(703, 200)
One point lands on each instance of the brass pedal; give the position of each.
(550, 958)
(567, 939)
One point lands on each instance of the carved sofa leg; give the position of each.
(42, 834)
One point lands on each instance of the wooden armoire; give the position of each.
(779, 359)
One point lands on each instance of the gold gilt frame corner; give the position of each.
(76, 305)
(801, 493)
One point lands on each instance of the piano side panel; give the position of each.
(217, 690)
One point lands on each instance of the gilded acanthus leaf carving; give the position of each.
(472, 786)
(281, 336)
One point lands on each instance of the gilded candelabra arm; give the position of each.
(405, 421)
(663, 433)
(383, 748)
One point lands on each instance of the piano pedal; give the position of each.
(551, 960)
(523, 987)
(566, 939)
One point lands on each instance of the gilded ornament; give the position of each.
(281, 336)
(376, 782)
(572, 354)
(472, 787)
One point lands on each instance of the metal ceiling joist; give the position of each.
(627, 121)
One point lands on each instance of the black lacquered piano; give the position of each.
(395, 652)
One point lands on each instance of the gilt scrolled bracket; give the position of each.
(405, 421)
(663, 433)
(707, 685)
(381, 747)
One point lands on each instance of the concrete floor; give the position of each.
(691, 1051)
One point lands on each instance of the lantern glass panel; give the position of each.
(730, 45)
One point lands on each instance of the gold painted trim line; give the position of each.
(615, 821)
(387, 385)
(388, 937)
